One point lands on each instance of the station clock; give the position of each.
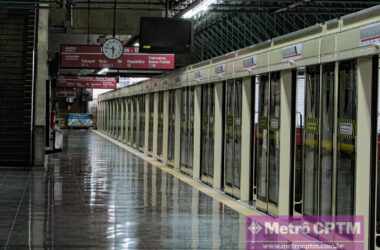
(113, 48)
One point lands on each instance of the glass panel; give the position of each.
(346, 158)
(274, 138)
(183, 126)
(160, 122)
(237, 132)
(262, 136)
(151, 119)
(211, 117)
(142, 120)
(327, 133)
(311, 141)
(207, 130)
(130, 120)
(228, 154)
(300, 120)
(191, 128)
(135, 124)
(204, 131)
(171, 125)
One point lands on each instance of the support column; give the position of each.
(165, 135)
(155, 124)
(246, 136)
(39, 123)
(218, 135)
(285, 142)
(177, 128)
(147, 114)
(363, 147)
(197, 132)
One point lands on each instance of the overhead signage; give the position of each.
(220, 69)
(249, 62)
(92, 57)
(198, 75)
(89, 82)
(370, 35)
(293, 52)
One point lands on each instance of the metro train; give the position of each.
(289, 125)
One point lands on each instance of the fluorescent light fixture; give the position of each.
(200, 7)
(136, 44)
(103, 71)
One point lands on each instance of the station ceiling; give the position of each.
(227, 25)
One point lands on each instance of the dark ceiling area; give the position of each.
(227, 25)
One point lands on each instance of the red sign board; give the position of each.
(92, 57)
(89, 82)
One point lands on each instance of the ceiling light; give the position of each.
(202, 6)
(103, 71)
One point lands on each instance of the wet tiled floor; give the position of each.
(96, 195)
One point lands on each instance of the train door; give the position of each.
(268, 143)
(151, 120)
(207, 134)
(171, 134)
(322, 176)
(232, 137)
(142, 121)
(160, 131)
(187, 129)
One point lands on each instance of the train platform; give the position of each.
(97, 195)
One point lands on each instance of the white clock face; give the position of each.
(113, 48)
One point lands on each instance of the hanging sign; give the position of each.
(92, 57)
(88, 82)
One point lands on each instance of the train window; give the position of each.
(346, 155)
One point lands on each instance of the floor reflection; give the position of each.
(96, 195)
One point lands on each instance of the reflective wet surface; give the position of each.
(96, 195)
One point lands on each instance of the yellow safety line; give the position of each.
(219, 196)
